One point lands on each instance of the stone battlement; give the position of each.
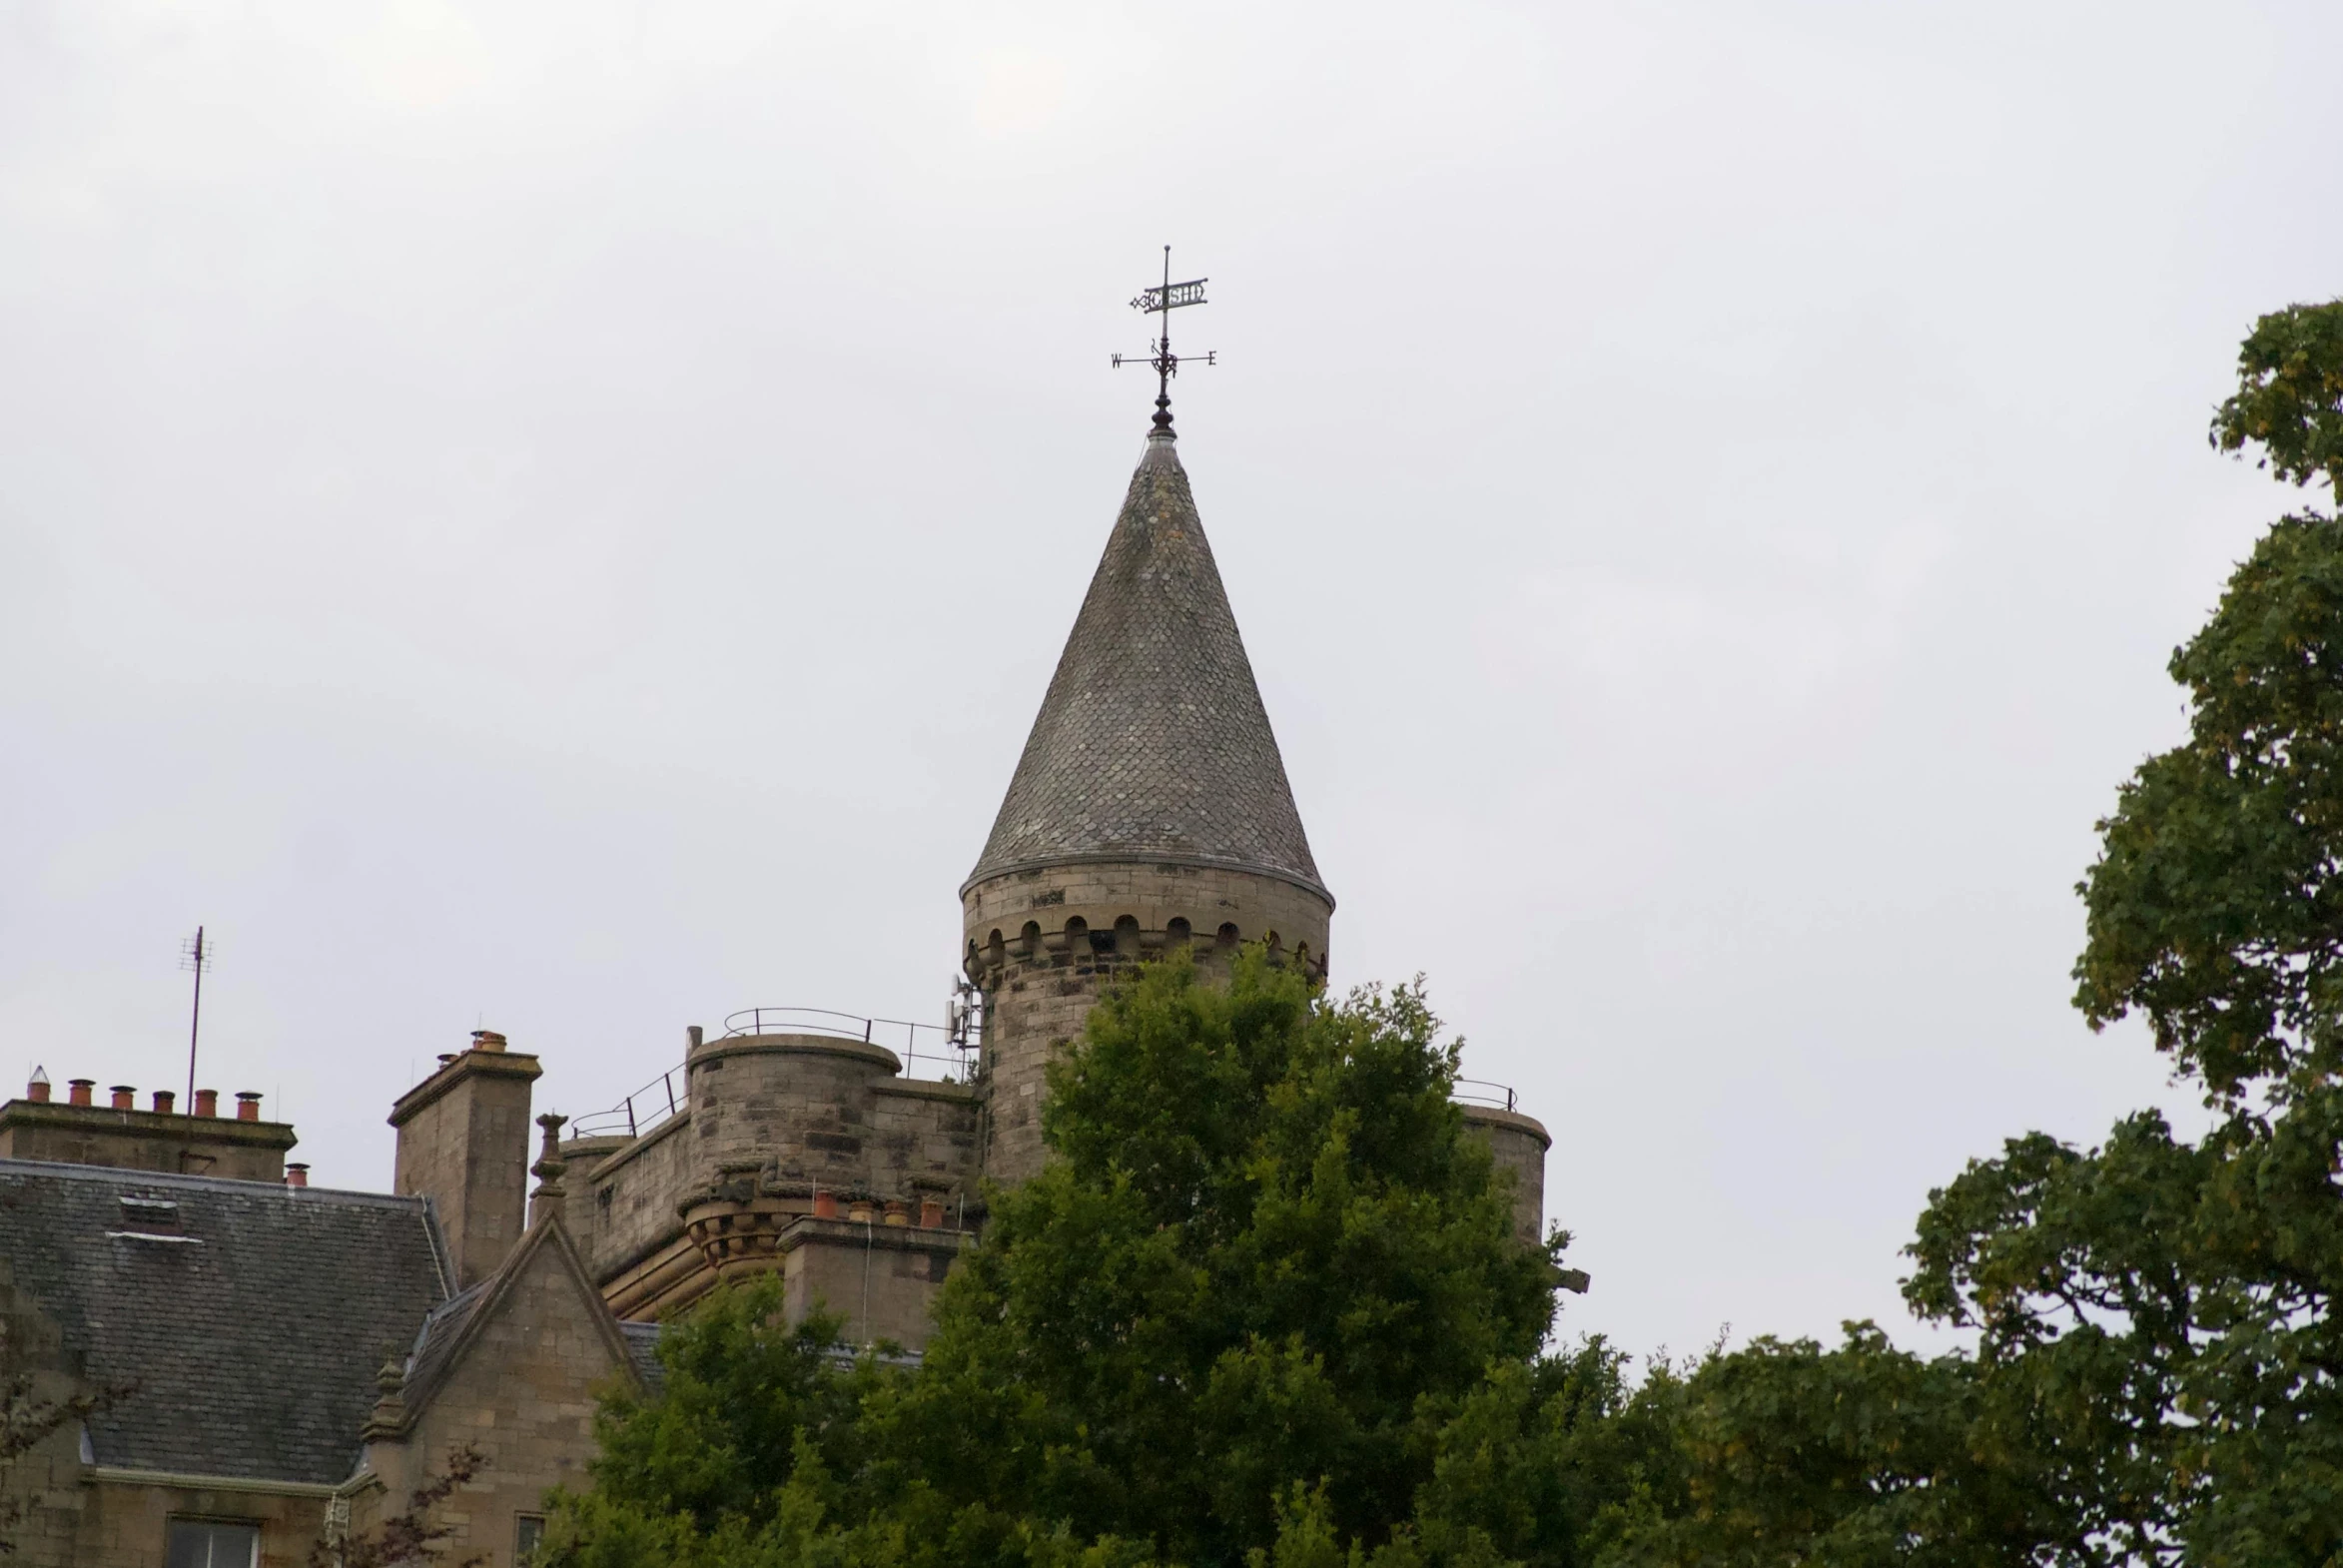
(778, 1132)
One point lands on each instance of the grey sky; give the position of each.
(559, 517)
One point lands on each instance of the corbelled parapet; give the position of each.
(1150, 810)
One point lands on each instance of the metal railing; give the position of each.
(663, 1097)
(943, 1060)
(1480, 1092)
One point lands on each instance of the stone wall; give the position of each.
(879, 1280)
(1040, 943)
(522, 1392)
(771, 1121)
(1517, 1146)
(624, 1197)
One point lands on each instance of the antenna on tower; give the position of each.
(195, 954)
(1162, 302)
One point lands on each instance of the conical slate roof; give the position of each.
(1152, 743)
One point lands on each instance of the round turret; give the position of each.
(1150, 810)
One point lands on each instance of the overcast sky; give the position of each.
(559, 517)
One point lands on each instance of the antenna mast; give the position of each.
(195, 954)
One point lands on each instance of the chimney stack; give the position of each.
(125, 1137)
(463, 1143)
(247, 1105)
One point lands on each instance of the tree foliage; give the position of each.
(1267, 1259)
(2289, 398)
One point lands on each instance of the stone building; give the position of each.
(282, 1361)
(1149, 812)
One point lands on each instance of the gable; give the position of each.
(535, 1330)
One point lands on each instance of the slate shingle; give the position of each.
(253, 1343)
(1152, 743)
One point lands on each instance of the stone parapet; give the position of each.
(1517, 1146)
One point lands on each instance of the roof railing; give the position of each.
(927, 1051)
(668, 1095)
(1480, 1092)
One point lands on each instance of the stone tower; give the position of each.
(1150, 808)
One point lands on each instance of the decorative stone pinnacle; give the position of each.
(546, 1199)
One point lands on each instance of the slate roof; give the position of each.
(642, 1348)
(1152, 743)
(252, 1339)
(435, 1343)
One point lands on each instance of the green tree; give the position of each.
(1266, 1247)
(1267, 1254)
(2156, 1356)
(2217, 906)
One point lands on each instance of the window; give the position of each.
(211, 1543)
(527, 1530)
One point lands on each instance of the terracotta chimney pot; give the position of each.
(247, 1105)
(898, 1212)
(931, 1214)
(77, 1091)
(37, 1090)
(206, 1103)
(164, 1100)
(297, 1174)
(486, 1040)
(825, 1206)
(859, 1211)
(125, 1096)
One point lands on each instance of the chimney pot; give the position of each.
(296, 1174)
(125, 1096)
(931, 1214)
(247, 1105)
(860, 1212)
(486, 1040)
(825, 1206)
(206, 1103)
(164, 1100)
(77, 1091)
(898, 1214)
(37, 1088)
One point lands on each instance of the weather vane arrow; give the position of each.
(1162, 300)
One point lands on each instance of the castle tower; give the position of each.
(1150, 808)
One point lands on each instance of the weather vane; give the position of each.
(1162, 302)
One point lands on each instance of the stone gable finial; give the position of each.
(549, 1198)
